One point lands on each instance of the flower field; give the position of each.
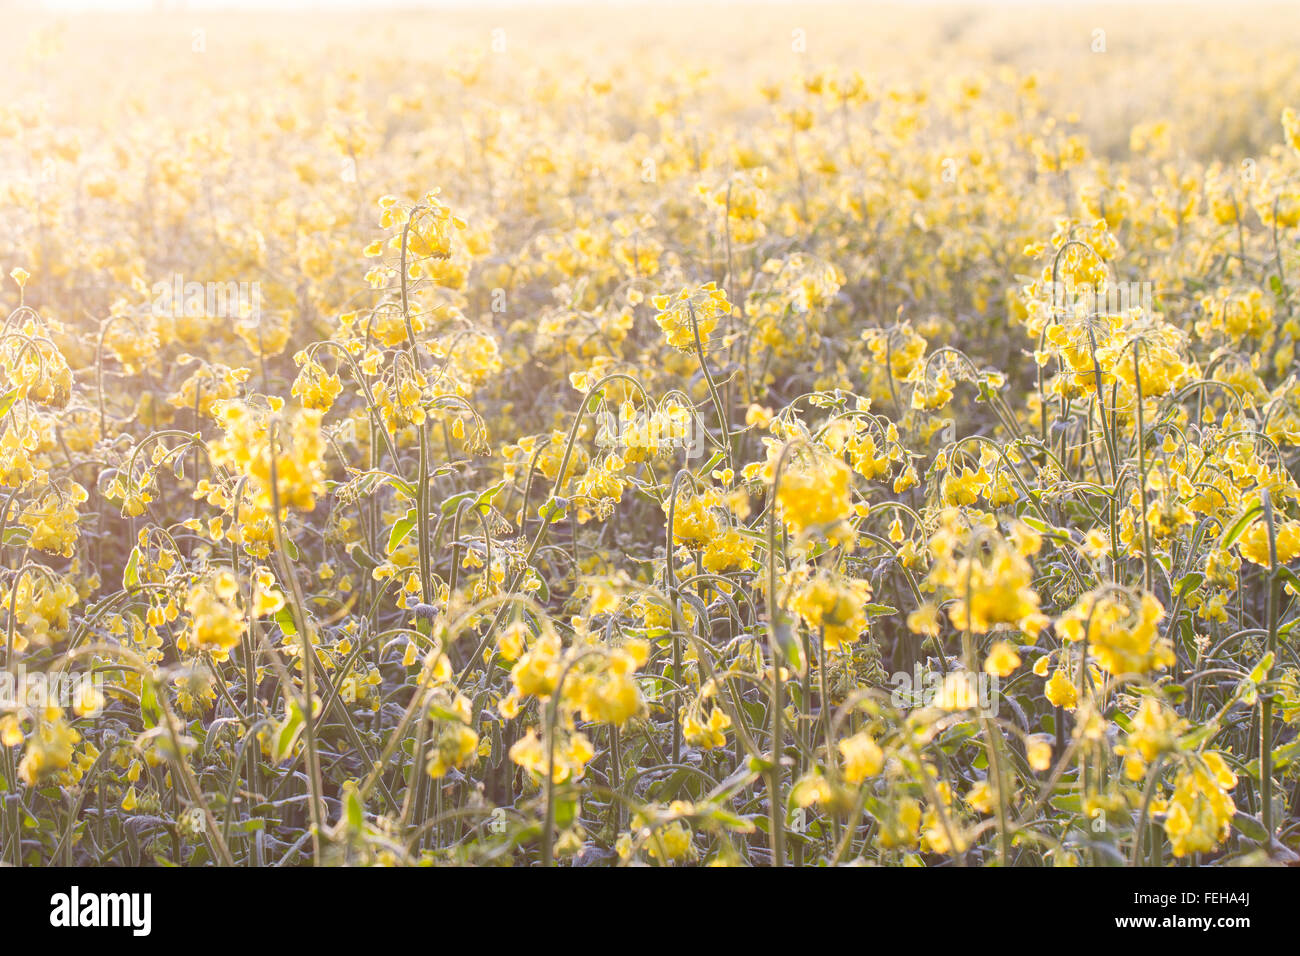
(615, 436)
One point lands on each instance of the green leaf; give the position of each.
(1036, 523)
(131, 574)
(1069, 803)
(353, 810)
(284, 617)
(1188, 583)
(449, 505)
(1198, 736)
(401, 528)
(783, 635)
(1283, 756)
(760, 764)
(444, 713)
(717, 459)
(17, 535)
(149, 709)
(362, 559)
(484, 500)
(730, 820)
(1262, 669)
(1250, 826)
(7, 400)
(552, 510)
(287, 733)
(566, 811)
(1235, 529)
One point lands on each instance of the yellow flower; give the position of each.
(727, 551)
(11, 731)
(1254, 542)
(454, 740)
(862, 757)
(924, 620)
(705, 304)
(817, 496)
(49, 747)
(900, 823)
(1154, 730)
(707, 734)
(258, 440)
(611, 694)
(835, 607)
(673, 842)
(430, 228)
(537, 672)
(1038, 752)
(980, 797)
(988, 578)
(812, 788)
(1061, 690)
(1199, 813)
(1291, 128)
(1124, 639)
(696, 521)
(314, 387)
(1002, 660)
(216, 622)
(571, 756)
